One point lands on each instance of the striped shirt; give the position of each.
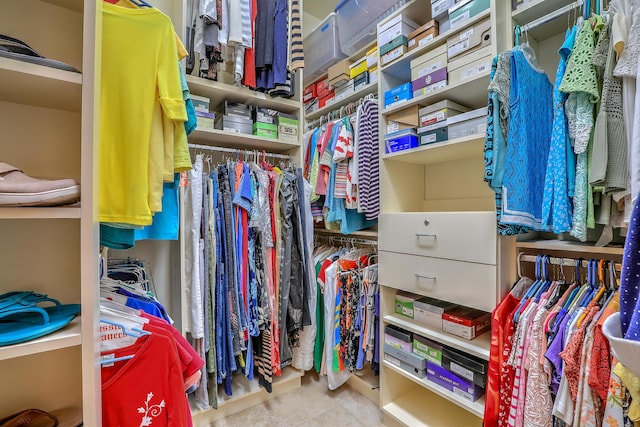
(296, 53)
(368, 156)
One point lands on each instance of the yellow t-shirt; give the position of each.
(139, 75)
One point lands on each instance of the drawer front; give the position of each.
(464, 283)
(464, 236)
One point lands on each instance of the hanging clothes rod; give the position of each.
(551, 16)
(236, 151)
(567, 262)
(347, 240)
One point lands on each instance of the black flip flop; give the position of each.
(17, 49)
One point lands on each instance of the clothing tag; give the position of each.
(105, 358)
(462, 371)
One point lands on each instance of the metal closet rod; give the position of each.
(237, 151)
(568, 262)
(347, 240)
(551, 16)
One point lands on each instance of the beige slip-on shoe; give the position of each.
(18, 189)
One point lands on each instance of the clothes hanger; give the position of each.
(532, 289)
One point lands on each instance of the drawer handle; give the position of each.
(425, 235)
(422, 276)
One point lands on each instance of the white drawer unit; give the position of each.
(464, 236)
(465, 283)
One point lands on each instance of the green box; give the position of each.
(288, 128)
(404, 303)
(427, 349)
(465, 10)
(398, 41)
(265, 130)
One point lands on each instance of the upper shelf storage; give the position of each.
(535, 9)
(239, 140)
(32, 84)
(400, 68)
(366, 90)
(219, 92)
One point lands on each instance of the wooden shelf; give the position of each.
(219, 92)
(415, 409)
(441, 152)
(400, 68)
(246, 394)
(471, 92)
(370, 88)
(535, 9)
(32, 84)
(478, 347)
(476, 408)
(367, 233)
(216, 137)
(569, 246)
(68, 336)
(40, 212)
(366, 383)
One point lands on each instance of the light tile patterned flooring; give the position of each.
(312, 405)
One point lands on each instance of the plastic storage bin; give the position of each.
(358, 20)
(322, 49)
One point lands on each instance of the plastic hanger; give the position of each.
(526, 49)
(532, 289)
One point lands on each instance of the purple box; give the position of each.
(397, 343)
(453, 383)
(429, 79)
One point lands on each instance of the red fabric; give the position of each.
(192, 362)
(571, 355)
(508, 372)
(600, 360)
(497, 357)
(249, 78)
(147, 389)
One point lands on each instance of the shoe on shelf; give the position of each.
(19, 189)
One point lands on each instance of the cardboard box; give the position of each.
(469, 123)
(309, 93)
(397, 93)
(397, 26)
(431, 88)
(328, 99)
(265, 130)
(392, 55)
(465, 366)
(288, 128)
(469, 71)
(388, 47)
(440, 111)
(372, 58)
(441, 7)
(361, 81)
(408, 116)
(429, 79)
(420, 373)
(358, 67)
(444, 23)
(423, 35)
(428, 349)
(343, 91)
(201, 103)
(393, 126)
(234, 123)
(229, 108)
(429, 310)
(399, 141)
(454, 383)
(429, 62)
(473, 38)
(464, 10)
(465, 322)
(373, 74)
(339, 72)
(323, 88)
(205, 120)
(410, 357)
(398, 338)
(431, 134)
(264, 115)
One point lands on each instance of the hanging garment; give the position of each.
(528, 145)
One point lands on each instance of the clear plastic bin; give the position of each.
(322, 49)
(358, 20)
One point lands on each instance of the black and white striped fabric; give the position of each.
(368, 168)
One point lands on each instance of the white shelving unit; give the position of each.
(439, 179)
(48, 122)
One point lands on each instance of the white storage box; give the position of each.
(396, 27)
(466, 124)
(322, 49)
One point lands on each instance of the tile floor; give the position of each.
(312, 405)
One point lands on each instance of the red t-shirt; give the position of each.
(146, 390)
